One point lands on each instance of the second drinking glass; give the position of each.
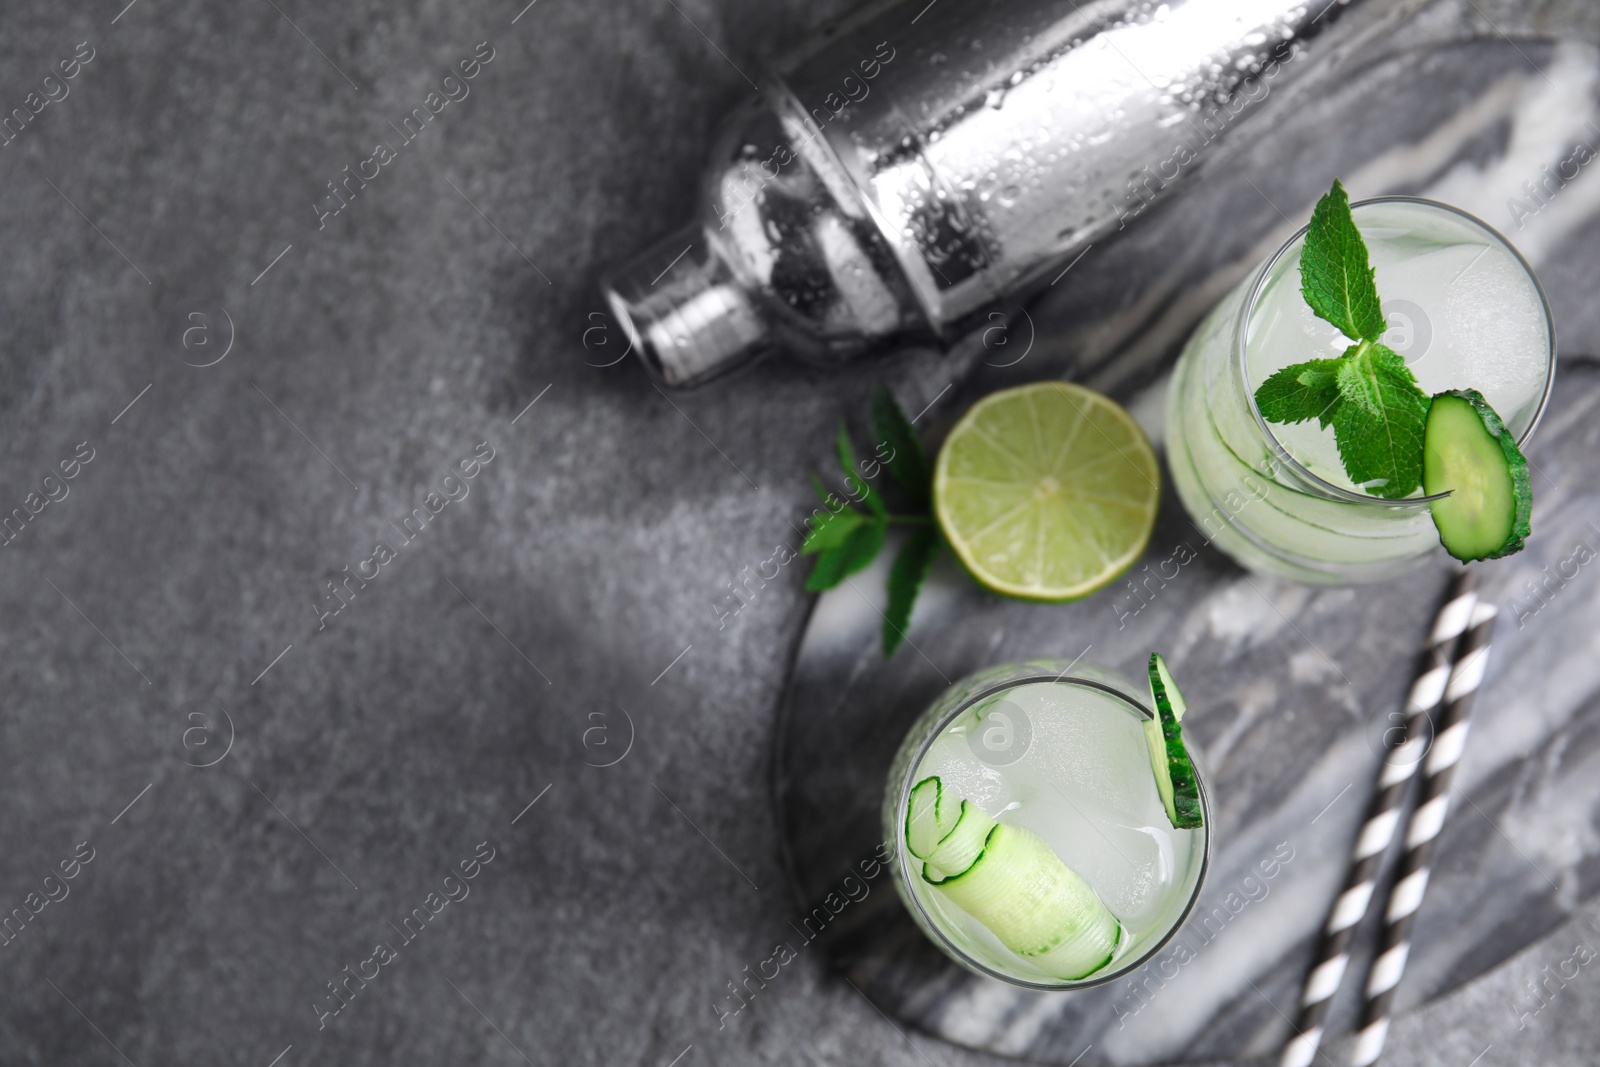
(1075, 873)
(1464, 311)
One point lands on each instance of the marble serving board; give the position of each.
(1290, 687)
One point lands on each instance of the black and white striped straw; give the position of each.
(1382, 818)
(1422, 832)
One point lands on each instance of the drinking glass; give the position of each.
(1058, 749)
(1464, 310)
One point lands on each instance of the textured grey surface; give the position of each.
(459, 684)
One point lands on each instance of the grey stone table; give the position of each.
(527, 754)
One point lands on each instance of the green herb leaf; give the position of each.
(853, 481)
(1380, 422)
(1301, 392)
(908, 463)
(910, 569)
(853, 554)
(824, 494)
(1334, 273)
(831, 529)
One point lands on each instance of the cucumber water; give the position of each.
(1035, 844)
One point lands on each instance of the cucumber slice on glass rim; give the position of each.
(1468, 452)
(1169, 760)
(1012, 882)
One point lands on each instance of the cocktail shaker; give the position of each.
(909, 170)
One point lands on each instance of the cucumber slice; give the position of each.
(1468, 452)
(1036, 905)
(930, 814)
(1174, 773)
(1169, 688)
(960, 848)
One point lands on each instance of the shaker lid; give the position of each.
(685, 313)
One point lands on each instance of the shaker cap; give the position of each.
(684, 312)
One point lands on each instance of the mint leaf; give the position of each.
(851, 555)
(1358, 379)
(910, 569)
(852, 479)
(831, 529)
(1301, 392)
(1334, 275)
(1380, 421)
(908, 463)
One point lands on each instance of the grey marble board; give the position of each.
(1290, 687)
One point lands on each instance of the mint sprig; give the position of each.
(1368, 395)
(846, 538)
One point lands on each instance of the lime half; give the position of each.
(1047, 491)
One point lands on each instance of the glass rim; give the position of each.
(932, 923)
(1281, 454)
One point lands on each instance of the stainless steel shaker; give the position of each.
(907, 171)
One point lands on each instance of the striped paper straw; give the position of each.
(1422, 832)
(1382, 818)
